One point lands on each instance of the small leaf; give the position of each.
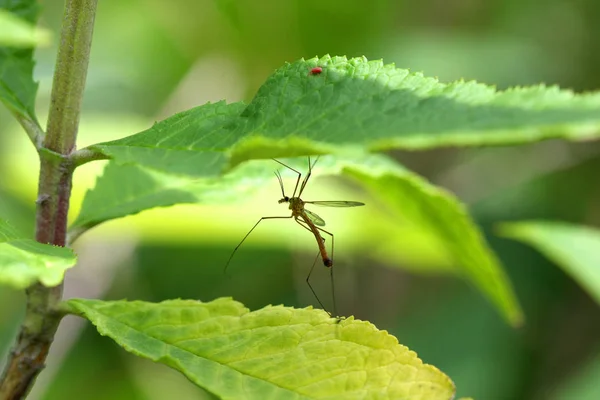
(24, 261)
(576, 249)
(17, 88)
(355, 105)
(16, 32)
(273, 353)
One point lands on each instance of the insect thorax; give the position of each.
(296, 204)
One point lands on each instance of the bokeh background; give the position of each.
(152, 58)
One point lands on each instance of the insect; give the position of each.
(306, 219)
(315, 71)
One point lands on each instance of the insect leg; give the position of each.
(305, 226)
(305, 181)
(331, 269)
(297, 180)
(247, 234)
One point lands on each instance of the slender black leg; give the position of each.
(247, 234)
(305, 226)
(297, 180)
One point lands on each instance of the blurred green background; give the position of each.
(152, 58)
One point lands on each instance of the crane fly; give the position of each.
(308, 220)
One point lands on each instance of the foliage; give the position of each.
(23, 261)
(17, 88)
(216, 153)
(574, 248)
(276, 352)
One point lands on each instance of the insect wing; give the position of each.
(336, 203)
(315, 219)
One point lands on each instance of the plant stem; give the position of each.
(41, 321)
(85, 156)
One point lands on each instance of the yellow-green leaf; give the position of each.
(273, 353)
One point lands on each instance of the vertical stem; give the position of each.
(29, 353)
(69, 75)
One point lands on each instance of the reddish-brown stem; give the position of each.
(29, 353)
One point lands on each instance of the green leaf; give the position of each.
(355, 105)
(436, 212)
(574, 248)
(24, 261)
(17, 88)
(188, 143)
(129, 189)
(16, 32)
(273, 353)
(412, 203)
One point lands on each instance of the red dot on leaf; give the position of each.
(316, 71)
